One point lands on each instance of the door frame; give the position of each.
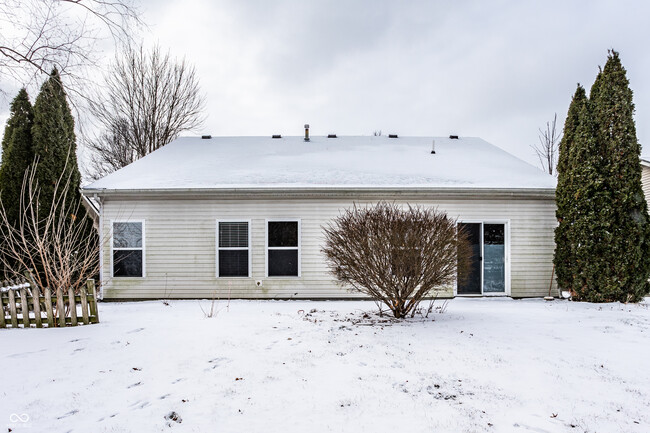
(506, 241)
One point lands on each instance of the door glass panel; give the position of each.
(494, 268)
(472, 285)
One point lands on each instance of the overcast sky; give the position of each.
(498, 70)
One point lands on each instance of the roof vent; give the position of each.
(433, 147)
(306, 132)
(331, 135)
(276, 136)
(206, 137)
(453, 137)
(392, 135)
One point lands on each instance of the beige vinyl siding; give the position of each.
(180, 238)
(645, 180)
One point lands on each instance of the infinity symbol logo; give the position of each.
(14, 417)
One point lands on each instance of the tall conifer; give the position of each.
(18, 153)
(54, 143)
(588, 234)
(603, 237)
(564, 259)
(626, 240)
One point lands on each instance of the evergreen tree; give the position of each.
(54, 143)
(603, 236)
(5, 138)
(18, 153)
(588, 233)
(564, 259)
(626, 237)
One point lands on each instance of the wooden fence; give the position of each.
(22, 305)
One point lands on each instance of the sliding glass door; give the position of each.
(487, 274)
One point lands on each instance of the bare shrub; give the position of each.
(396, 256)
(61, 248)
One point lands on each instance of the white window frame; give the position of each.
(266, 247)
(143, 248)
(506, 253)
(249, 248)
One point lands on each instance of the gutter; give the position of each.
(89, 204)
(311, 192)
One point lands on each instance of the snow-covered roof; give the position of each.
(343, 162)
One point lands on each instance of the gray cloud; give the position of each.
(497, 69)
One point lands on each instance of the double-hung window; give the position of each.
(233, 248)
(283, 248)
(128, 249)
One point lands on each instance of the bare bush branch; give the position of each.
(57, 247)
(396, 256)
(150, 99)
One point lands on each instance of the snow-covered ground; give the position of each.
(493, 365)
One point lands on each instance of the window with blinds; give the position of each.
(233, 249)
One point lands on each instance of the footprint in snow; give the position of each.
(134, 385)
(217, 362)
(139, 404)
(178, 380)
(135, 330)
(72, 412)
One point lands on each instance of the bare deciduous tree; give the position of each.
(57, 248)
(397, 256)
(38, 35)
(150, 99)
(547, 148)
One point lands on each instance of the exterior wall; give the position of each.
(645, 180)
(180, 239)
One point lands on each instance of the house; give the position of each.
(242, 217)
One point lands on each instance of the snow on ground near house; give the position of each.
(344, 162)
(485, 365)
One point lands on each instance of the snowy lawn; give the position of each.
(493, 365)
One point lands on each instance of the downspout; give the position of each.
(101, 245)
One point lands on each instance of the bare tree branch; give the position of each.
(547, 148)
(38, 35)
(150, 99)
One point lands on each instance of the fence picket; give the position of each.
(3, 322)
(73, 307)
(84, 307)
(12, 309)
(60, 307)
(48, 307)
(24, 306)
(90, 288)
(36, 299)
